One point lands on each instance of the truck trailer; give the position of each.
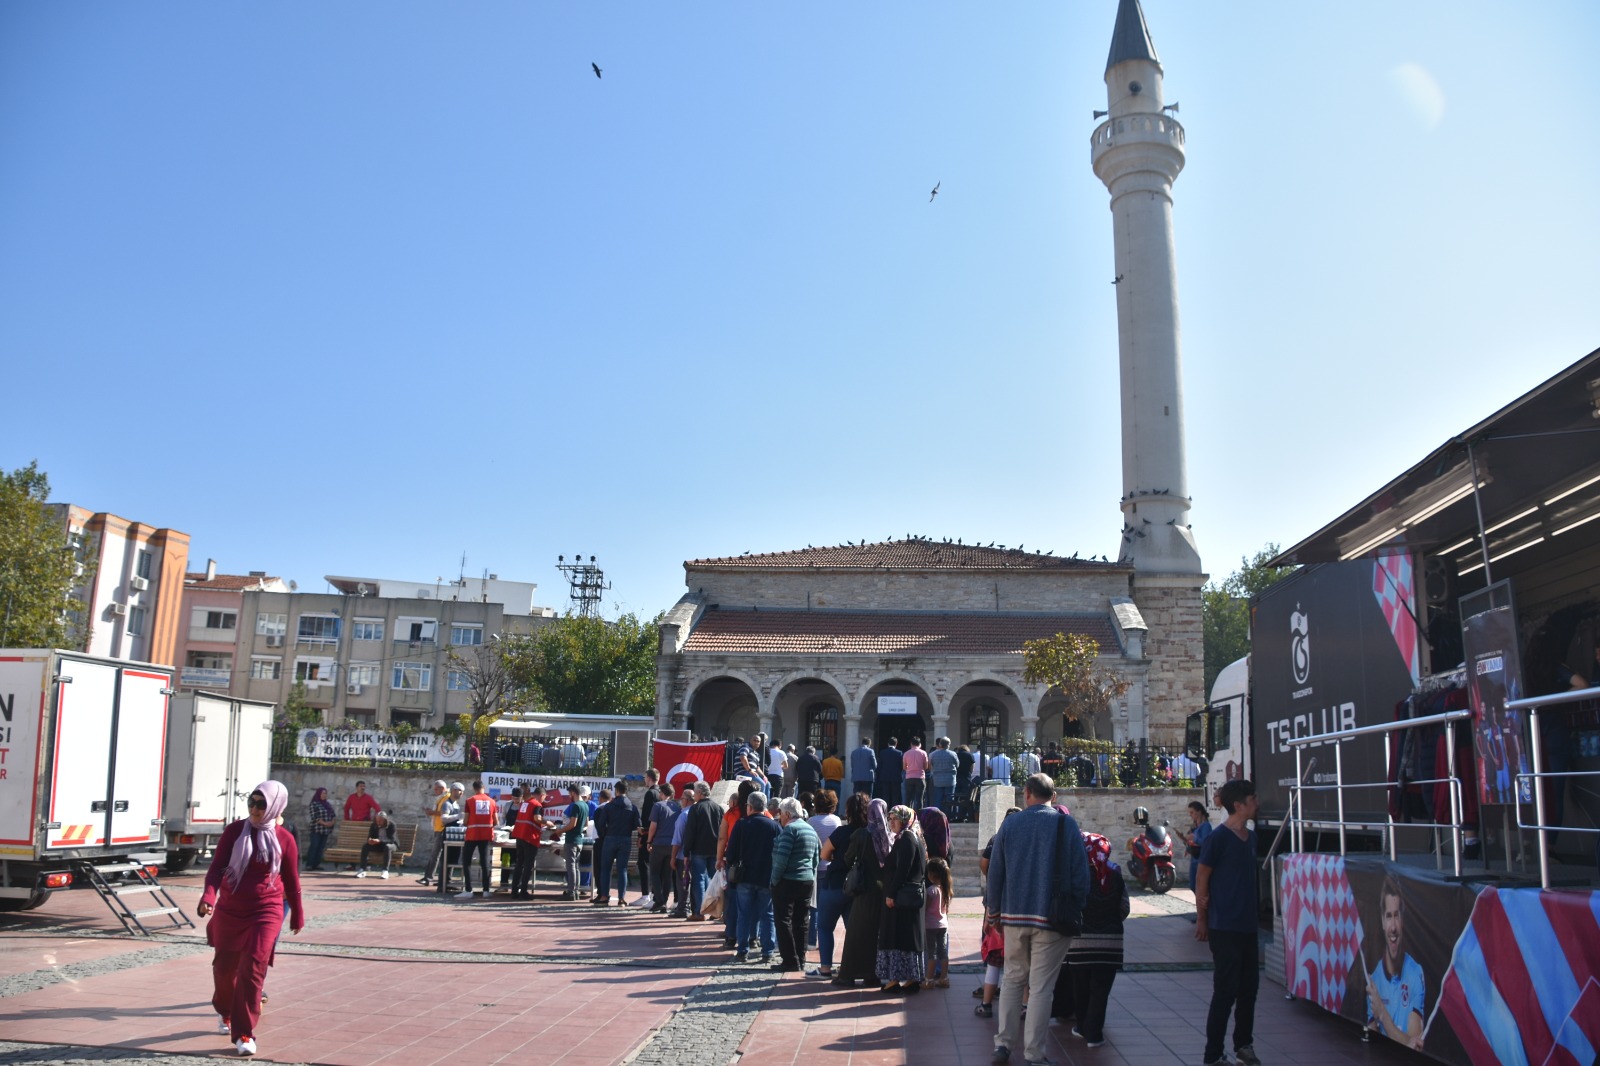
(82, 757)
(219, 747)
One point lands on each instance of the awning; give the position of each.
(521, 725)
(1537, 465)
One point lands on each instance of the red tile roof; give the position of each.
(915, 553)
(887, 632)
(226, 582)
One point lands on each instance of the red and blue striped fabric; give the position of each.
(1321, 928)
(1524, 980)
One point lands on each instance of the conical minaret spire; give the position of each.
(1138, 152)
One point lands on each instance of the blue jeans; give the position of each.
(833, 786)
(755, 917)
(699, 877)
(832, 904)
(730, 913)
(943, 797)
(315, 846)
(613, 849)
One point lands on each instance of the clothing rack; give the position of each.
(1456, 678)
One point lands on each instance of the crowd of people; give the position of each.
(868, 888)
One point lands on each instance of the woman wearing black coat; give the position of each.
(858, 960)
(900, 930)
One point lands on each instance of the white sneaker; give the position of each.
(483, 895)
(384, 875)
(464, 895)
(223, 1026)
(246, 1047)
(361, 873)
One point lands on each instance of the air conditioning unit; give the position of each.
(275, 642)
(119, 609)
(138, 584)
(352, 690)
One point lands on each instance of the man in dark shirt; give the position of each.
(964, 764)
(1226, 907)
(808, 770)
(615, 824)
(700, 830)
(891, 768)
(652, 796)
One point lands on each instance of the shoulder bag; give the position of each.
(1066, 915)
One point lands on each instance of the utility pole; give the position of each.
(586, 583)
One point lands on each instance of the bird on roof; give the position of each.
(1172, 521)
(1019, 547)
(958, 540)
(1052, 551)
(596, 67)
(935, 191)
(1148, 522)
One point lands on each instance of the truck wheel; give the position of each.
(1161, 881)
(179, 861)
(35, 900)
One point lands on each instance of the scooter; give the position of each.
(1150, 854)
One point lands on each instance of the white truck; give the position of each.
(82, 748)
(219, 747)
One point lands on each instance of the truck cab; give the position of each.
(1217, 736)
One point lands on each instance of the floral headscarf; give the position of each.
(259, 843)
(878, 826)
(1101, 868)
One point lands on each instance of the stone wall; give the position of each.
(405, 795)
(937, 590)
(1108, 812)
(1175, 646)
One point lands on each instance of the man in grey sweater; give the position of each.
(1021, 882)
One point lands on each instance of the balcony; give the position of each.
(206, 677)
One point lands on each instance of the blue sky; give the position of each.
(355, 288)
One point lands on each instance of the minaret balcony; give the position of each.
(1144, 128)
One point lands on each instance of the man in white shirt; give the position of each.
(999, 768)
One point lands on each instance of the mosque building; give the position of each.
(924, 637)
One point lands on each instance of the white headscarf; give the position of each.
(259, 842)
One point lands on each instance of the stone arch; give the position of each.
(723, 704)
(901, 727)
(982, 716)
(799, 693)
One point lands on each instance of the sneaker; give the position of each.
(484, 894)
(741, 957)
(977, 993)
(600, 901)
(425, 881)
(1096, 1043)
(1220, 1060)
(983, 1010)
(223, 1026)
(384, 875)
(361, 873)
(464, 895)
(943, 982)
(1076, 1033)
(1001, 1054)
(246, 1046)
(1246, 1055)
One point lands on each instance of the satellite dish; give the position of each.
(294, 586)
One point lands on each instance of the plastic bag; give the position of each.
(714, 890)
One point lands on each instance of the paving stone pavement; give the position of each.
(389, 972)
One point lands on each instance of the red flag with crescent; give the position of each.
(684, 764)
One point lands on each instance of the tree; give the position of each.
(297, 709)
(488, 671)
(579, 665)
(1071, 665)
(1225, 610)
(39, 568)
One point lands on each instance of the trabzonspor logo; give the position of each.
(1300, 645)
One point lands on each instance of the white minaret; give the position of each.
(1138, 152)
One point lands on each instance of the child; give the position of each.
(992, 947)
(936, 923)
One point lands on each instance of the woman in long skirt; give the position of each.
(253, 874)
(900, 929)
(858, 960)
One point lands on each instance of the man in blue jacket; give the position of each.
(863, 767)
(1021, 883)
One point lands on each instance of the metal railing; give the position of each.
(1297, 792)
(1533, 705)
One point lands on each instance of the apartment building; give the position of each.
(134, 597)
(212, 607)
(376, 659)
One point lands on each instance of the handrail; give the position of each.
(1533, 705)
(1336, 737)
(1287, 818)
(1535, 702)
(1384, 727)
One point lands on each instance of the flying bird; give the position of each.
(596, 67)
(934, 194)
(1117, 280)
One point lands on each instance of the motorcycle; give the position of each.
(1150, 854)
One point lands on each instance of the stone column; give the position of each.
(852, 731)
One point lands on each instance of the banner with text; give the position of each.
(337, 744)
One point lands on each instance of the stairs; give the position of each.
(964, 848)
(124, 884)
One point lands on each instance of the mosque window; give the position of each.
(822, 727)
(983, 727)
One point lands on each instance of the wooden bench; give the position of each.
(348, 838)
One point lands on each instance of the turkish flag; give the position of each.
(684, 764)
